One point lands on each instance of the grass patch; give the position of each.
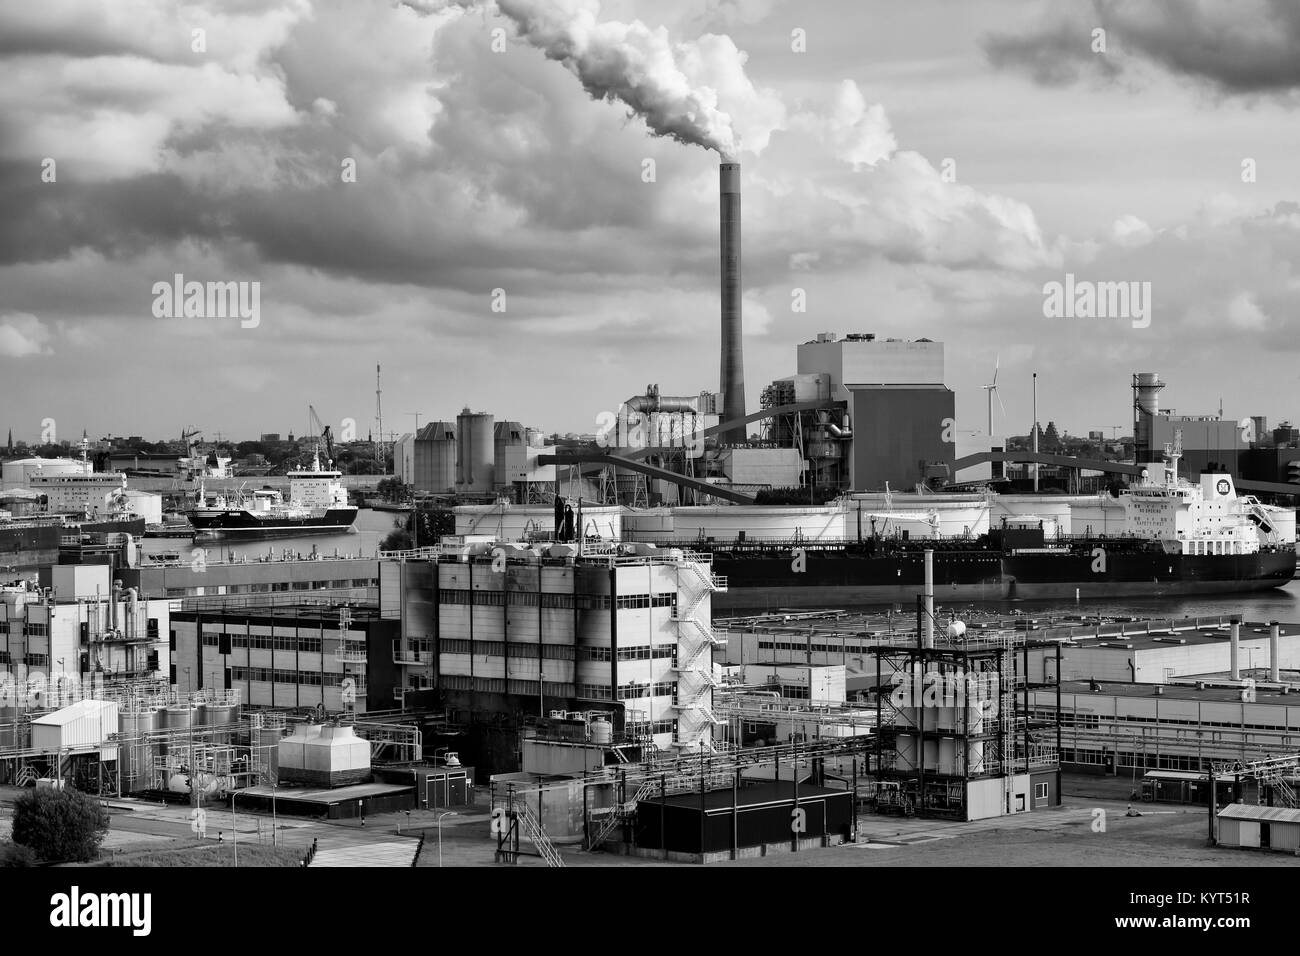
(207, 853)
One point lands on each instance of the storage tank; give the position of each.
(506, 435)
(475, 447)
(215, 715)
(8, 727)
(19, 472)
(435, 458)
(135, 754)
(602, 731)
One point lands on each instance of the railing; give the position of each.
(533, 830)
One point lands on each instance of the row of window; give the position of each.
(276, 675)
(499, 685)
(1093, 721)
(636, 652)
(276, 586)
(491, 597)
(631, 691)
(822, 648)
(17, 628)
(1097, 758)
(652, 727)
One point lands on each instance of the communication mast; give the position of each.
(379, 424)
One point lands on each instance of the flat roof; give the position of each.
(774, 793)
(1176, 692)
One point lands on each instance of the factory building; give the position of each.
(902, 415)
(335, 659)
(80, 625)
(477, 457)
(506, 629)
(1128, 729)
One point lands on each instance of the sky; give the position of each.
(512, 205)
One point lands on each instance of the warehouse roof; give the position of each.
(1246, 811)
(1176, 692)
(74, 712)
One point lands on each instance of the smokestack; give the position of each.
(732, 378)
(1274, 658)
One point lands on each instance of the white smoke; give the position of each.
(695, 92)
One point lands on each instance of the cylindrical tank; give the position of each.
(475, 450)
(602, 731)
(504, 435)
(435, 458)
(216, 715)
(8, 727)
(975, 757)
(135, 755)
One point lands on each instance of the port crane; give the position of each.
(319, 428)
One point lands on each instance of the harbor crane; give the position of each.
(319, 428)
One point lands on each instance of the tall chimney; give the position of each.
(732, 379)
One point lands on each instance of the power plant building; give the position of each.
(902, 414)
(507, 629)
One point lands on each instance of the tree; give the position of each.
(59, 825)
(12, 854)
(399, 539)
(391, 489)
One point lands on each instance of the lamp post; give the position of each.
(445, 813)
(234, 829)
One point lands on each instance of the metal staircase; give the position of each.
(619, 814)
(695, 642)
(532, 828)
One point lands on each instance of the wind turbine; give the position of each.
(991, 390)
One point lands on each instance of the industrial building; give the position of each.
(507, 630)
(332, 658)
(476, 457)
(1127, 729)
(901, 411)
(81, 623)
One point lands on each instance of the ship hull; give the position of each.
(841, 578)
(247, 524)
(23, 548)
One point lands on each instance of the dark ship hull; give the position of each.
(243, 523)
(28, 544)
(765, 578)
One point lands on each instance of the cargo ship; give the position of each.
(317, 504)
(1177, 538)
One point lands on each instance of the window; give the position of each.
(1040, 791)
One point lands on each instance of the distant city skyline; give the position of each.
(927, 169)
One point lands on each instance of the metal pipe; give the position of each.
(927, 622)
(732, 377)
(1275, 663)
(1234, 649)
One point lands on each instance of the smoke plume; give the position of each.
(673, 87)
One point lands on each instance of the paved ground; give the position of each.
(1090, 829)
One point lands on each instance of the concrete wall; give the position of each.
(774, 467)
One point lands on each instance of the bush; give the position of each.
(59, 825)
(12, 854)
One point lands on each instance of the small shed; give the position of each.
(80, 728)
(1261, 828)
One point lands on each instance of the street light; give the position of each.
(234, 829)
(445, 813)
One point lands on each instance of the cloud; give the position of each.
(1247, 47)
(1130, 231)
(23, 334)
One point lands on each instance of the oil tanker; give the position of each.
(1177, 538)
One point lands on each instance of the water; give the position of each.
(362, 539)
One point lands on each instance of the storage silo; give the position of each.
(435, 458)
(505, 435)
(136, 754)
(475, 447)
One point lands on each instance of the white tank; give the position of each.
(602, 731)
